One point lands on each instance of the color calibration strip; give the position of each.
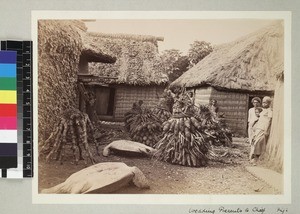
(24, 109)
(8, 111)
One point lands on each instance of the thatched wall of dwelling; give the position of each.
(233, 104)
(59, 49)
(274, 157)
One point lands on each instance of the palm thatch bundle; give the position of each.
(138, 62)
(59, 47)
(245, 64)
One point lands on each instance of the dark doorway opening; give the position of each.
(105, 101)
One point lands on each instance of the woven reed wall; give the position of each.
(233, 105)
(127, 95)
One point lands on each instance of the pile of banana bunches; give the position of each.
(162, 114)
(143, 127)
(183, 142)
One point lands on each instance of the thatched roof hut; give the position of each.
(138, 62)
(59, 50)
(136, 75)
(245, 64)
(236, 72)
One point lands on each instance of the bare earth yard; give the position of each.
(165, 178)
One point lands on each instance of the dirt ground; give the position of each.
(165, 178)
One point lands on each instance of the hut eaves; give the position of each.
(94, 52)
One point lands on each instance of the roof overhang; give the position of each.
(92, 56)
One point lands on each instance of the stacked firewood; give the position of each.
(75, 127)
(143, 125)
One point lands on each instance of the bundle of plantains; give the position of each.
(143, 125)
(188, 136)
(183, 142)
(162, 113)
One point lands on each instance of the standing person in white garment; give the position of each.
(262, 131)
(256, 102)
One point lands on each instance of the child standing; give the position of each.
(261, 132)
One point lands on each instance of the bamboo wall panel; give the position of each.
(127, 95)
(233, 105)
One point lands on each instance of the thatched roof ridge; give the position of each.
(138, 62)
(141, 38)
(245, 64)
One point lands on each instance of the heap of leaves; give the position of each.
(189, 135)
(143, 125)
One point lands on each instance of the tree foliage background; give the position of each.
(175, 63)
(198, 50)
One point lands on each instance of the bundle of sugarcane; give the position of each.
(143, 125)
(184, 142)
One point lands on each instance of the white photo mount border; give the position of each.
(189, 199)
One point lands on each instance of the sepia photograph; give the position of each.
(161, 106)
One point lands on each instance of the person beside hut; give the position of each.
(258, 110)
(262, 131)
(252, 117)
(91, 106)
(213, 106)
(189, 102)
(168, 96)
